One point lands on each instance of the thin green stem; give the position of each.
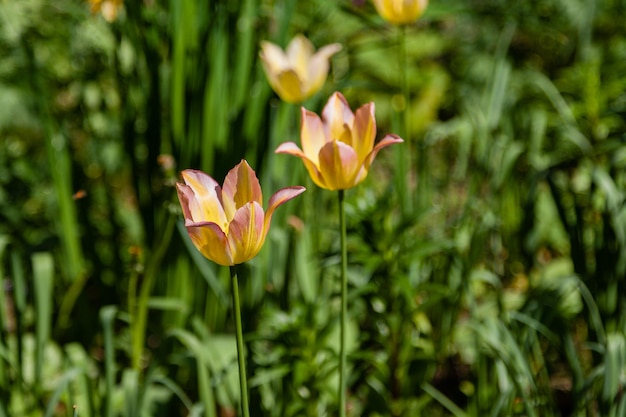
(344, 307)
(243, 385)
(138, 307)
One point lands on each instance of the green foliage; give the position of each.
(487, 254)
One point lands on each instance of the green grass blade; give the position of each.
(107, 315)
(244, 53)
(216, 99)
(43, 276)
(204, 379)
(65, 380)
(443, 400)
(614, 366)
(178, 74)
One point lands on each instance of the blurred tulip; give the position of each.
(108, 8)
(338, 149)
(400, 12)
(228, 225)
(300, 72)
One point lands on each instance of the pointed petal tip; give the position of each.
(392, 138)
(245, 164)
(288, 148)
(327, 51)
(287, 193)
(297, 189)
(282, 196)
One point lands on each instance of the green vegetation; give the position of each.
(486, 254)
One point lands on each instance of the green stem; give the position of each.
(243, 385)
(138, 307)
(344, 307)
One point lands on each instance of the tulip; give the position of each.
(338, 149)
(108, 8)
(228, 224)
(400, 12)
(298, 73)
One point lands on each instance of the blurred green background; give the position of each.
(487, 254)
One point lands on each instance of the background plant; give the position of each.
(497, 294)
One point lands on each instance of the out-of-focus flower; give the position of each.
(108, 8)
(338, 149)
(166, 162)
(227, 224)
(299, 72)
(400, 12)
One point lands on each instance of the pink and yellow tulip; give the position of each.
(228, 224)
(299, 72)
(338, 149)
(400, 12)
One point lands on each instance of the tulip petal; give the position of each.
(390, 139)
(318, 66)
(400, 11)
(202, 199)
(281, 196)
(364, 132)
(246, 232)
(314, 172)
(299, 72)
(273, 57)
(241, 186)
(338, 118)
(289, 87)
(211, 241)
(312, 136)
(299, 53)
(187, 200)
(339, 165)
(281, 75)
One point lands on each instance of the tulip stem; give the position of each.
(344, 307)
(243, 385)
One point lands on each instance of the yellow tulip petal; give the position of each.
(203, 201)
(339, 165)
(338, 118)
(299, 52)
(281, 196)
(312, 135)
(298, 73)
(292, 149)
(241, 186)
(210, 241)
(319, 65)
(400, 12)
(289, 87)
(273, 57)
(246, 232)
(364, 131)
(388, 140)
(281, 75)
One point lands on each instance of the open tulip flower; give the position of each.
(228, 224)
(298, 73)
(338, 149)
(400, 12)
